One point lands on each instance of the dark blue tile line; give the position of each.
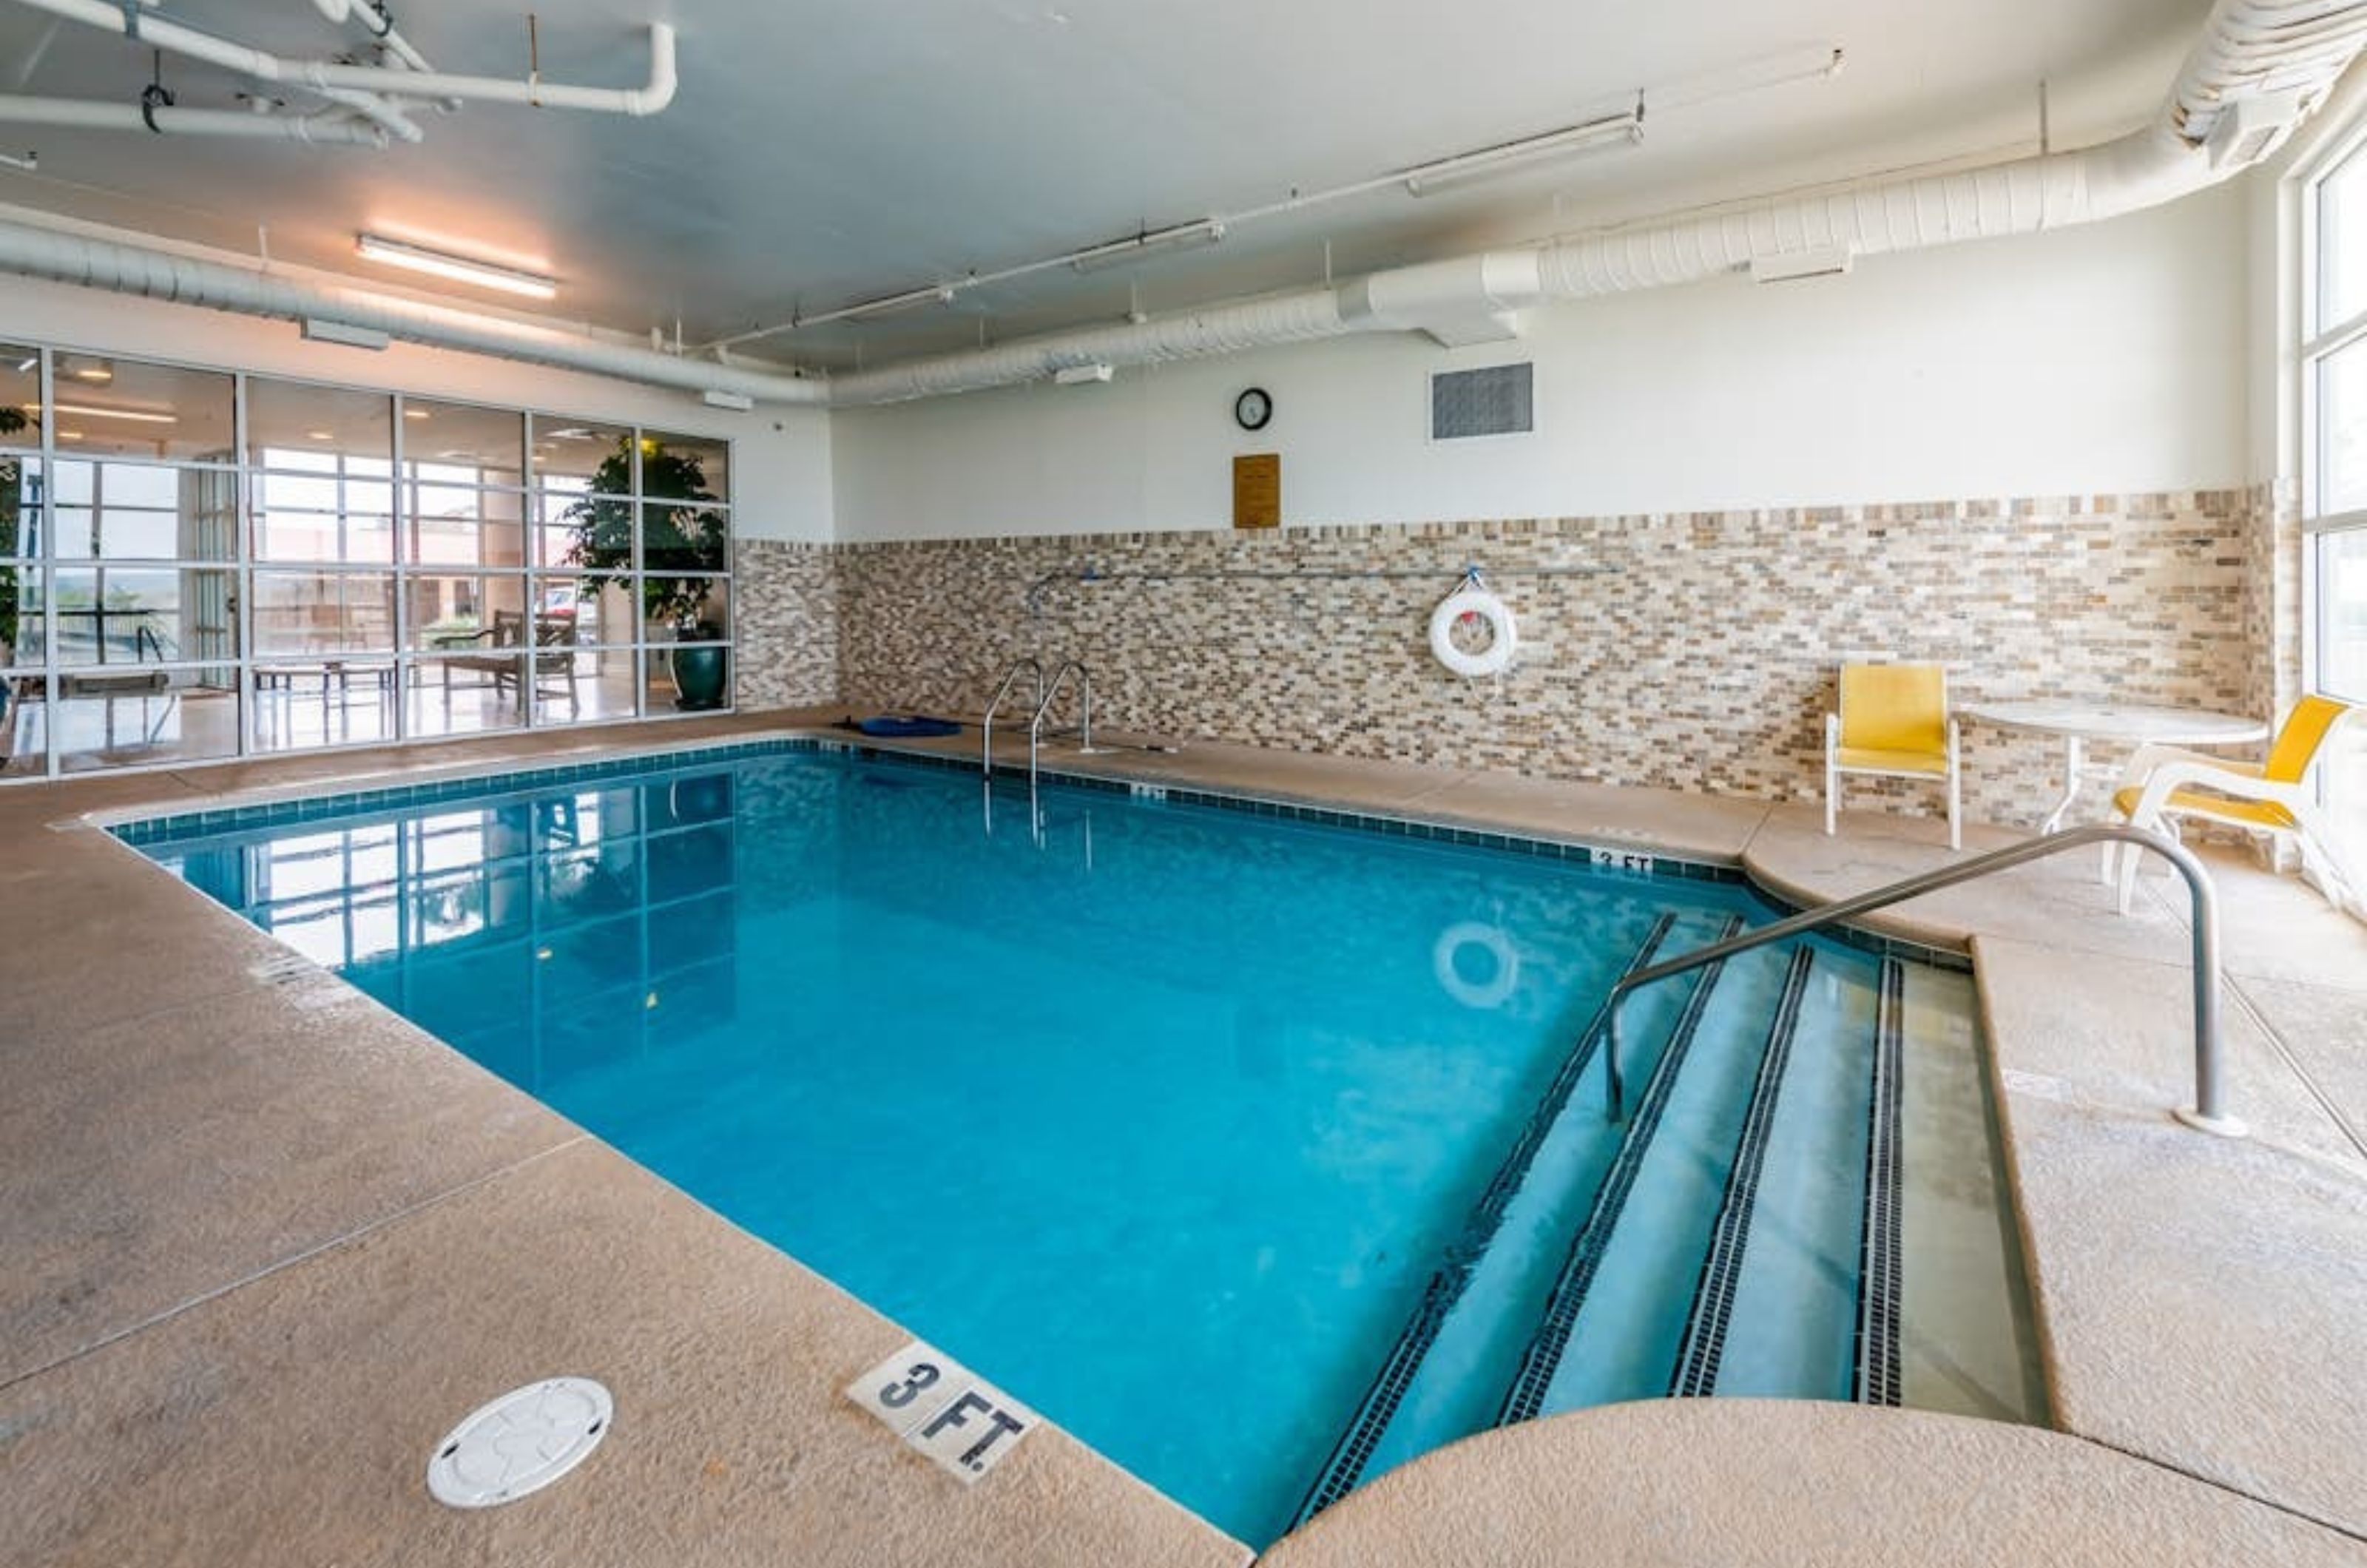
(1879, 945)
(1877, 1379)
(1526, 1397)
(170, 827)
(1721, 1270)
(1362, 1433)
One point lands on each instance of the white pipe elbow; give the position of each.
(654, 98)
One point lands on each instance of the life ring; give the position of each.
(1469, 600)
(1504, 972)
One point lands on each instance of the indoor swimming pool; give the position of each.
(1263, 1149)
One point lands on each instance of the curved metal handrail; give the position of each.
(2209, 1112)
(1044, 706)
(986, 741)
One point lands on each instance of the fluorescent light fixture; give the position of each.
(413, 410)
(28, 363)
(99, 373)
(1082, 375)
(461, 269)
(888, 305)
(134, 416)
(1489, 162)
(1118, 253)
(316, 330)
(1821, 260)
(738, 403)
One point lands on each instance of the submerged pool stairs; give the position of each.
(1736, 1234)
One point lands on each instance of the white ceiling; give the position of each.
(820, 153)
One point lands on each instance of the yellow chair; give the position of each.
(1893, 724)
(2163, 783)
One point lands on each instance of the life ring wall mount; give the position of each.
(1471, 607)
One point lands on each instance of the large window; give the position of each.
(197, 564)
(2334, 483)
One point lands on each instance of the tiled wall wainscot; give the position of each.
(1691, 649)
(788, 623)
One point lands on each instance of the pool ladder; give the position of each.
(1046, 693)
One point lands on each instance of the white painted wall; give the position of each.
(2108, 358)
(781, 483)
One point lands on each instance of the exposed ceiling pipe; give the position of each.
(2274, 58)
(338, 129)
(382, 32)
(322, 75)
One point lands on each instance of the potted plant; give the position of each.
(11, 475)
(682, 545)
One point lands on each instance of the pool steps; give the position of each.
(1473, 1251)
(1713, 1292)
(1716, 1195)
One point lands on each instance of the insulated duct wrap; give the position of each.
(2272, 60)
(183, 281)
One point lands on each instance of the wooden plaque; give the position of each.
(1257, 491)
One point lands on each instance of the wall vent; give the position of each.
(1497, 400)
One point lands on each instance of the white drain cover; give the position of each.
(519, 1443)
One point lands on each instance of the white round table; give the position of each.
(2127, 724)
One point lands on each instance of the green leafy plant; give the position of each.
(681, 545)
(12, 474)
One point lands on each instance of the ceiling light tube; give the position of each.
(89, 410)
(910, 299)
(1118, 253)
(1487, 163)
(394, 252)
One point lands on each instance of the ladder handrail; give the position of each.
(986, 740)
(2209, 1112)
(1044, 701)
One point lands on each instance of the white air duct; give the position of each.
(157, 275)
(2252, 52)
(2259, 66)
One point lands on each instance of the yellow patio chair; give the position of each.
(2276, 799)
(1893, 724)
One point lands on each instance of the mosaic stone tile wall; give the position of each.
(1695, 651)
(787, 621)
(2273, 604)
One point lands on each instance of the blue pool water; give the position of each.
(1247, 1148)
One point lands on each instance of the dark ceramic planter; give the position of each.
(700, 675)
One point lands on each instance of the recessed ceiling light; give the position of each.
(28, 363)
(96, 374)
(320, 435)
(410, 412)
(69, 434)
(461, 269)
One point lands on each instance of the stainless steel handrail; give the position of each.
(986, 741)
(1044, 706)
(2209, 1112)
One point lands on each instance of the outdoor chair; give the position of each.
(1893, 724)
(504, 656)
(2276, 799)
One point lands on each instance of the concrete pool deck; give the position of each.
(264, 1242)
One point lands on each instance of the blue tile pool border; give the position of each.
(1618, 859)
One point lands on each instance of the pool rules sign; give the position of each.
(945, 1411)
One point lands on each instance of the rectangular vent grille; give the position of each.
(1497, 400)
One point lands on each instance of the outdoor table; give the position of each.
(2128, 724)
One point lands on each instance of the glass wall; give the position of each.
(2335, 485)
(198, 565)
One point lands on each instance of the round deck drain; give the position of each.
(519, 1443)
